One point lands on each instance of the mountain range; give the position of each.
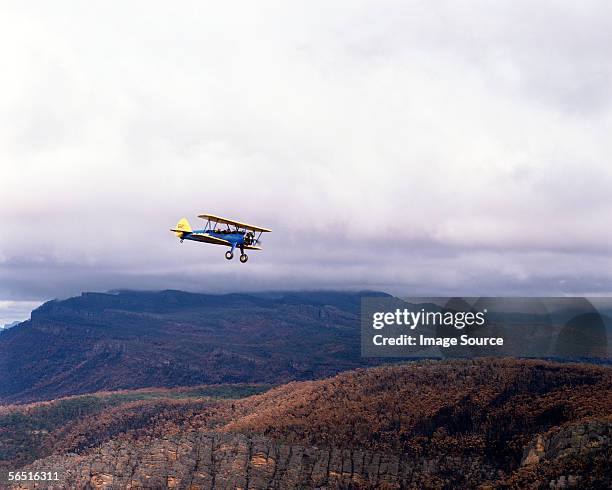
(128, 339)
(191, 391)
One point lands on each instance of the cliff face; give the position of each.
(207, 460)
(459, 424)
(577, 455)
(582, 438)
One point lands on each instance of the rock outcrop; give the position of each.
(212, 460)
(581, 438)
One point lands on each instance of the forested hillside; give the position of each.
(428, 424)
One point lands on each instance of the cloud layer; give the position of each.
(421, 148)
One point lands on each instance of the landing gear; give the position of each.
(229, 255)
(181, 240)
(243, 256)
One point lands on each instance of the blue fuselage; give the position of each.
(236, 238)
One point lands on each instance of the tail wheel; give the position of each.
(229, 255)
(244, 258)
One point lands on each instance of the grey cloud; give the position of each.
(401, 146)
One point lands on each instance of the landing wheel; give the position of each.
(229, 255)
(181, 240)
(244, 258)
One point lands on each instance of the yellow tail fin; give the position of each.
(182, 227)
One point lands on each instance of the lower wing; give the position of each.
(218, 241)
(209, 239)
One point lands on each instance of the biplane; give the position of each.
(223, 231)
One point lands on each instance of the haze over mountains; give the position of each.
(6, 326)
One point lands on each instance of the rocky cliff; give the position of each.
(206, 460)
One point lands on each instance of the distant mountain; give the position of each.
(6, 326)
(429, 424)
(127, 339)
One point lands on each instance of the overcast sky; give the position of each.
(416, 147)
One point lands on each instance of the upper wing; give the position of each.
(226, 221)
(209, 239)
